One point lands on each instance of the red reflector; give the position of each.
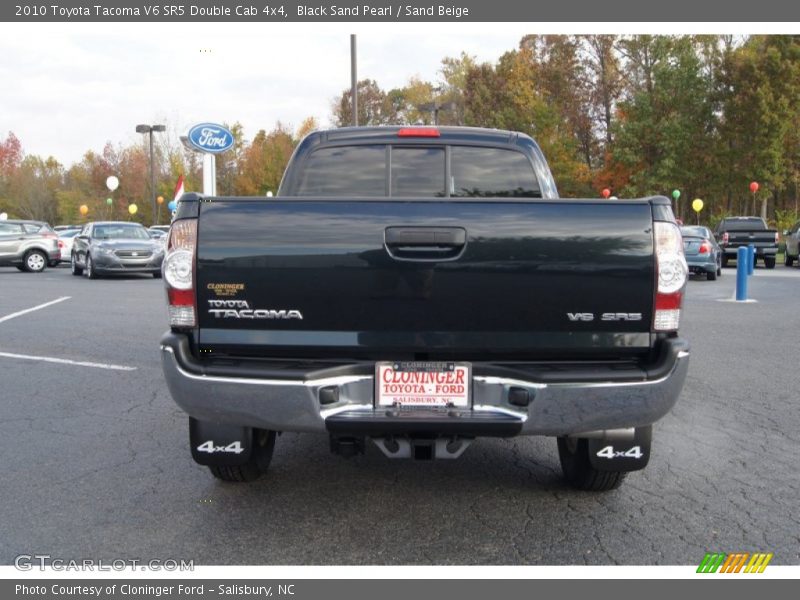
(180, 297)
(668, 301)
(418, 132)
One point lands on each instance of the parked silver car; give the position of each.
(106, 247)
(28, 245)
(65, 237)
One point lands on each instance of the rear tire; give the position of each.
(711, 275)
(264, 446)
(788, 260)
(578, 470)
(35, 261)
(769, 262)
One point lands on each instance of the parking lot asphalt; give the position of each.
(97, 461)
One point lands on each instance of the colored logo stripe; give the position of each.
(711, 562)
(758, 563)
(734, 563)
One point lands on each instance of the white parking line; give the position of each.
(64, 361)
(39, 307)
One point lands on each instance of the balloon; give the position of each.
(132, 208)
(160, 199)
(754, 186)
(606, 192)
(3, 216)
(112, 183)
(172, 205)
(697, 205)
(676, 194)
(84, 209)
(109, 201)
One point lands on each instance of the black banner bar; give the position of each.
(416, 11)
(397, 589)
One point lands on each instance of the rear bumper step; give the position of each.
(381, 422)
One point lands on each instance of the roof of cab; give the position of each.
(389, 133)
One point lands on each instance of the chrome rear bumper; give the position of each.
(554, 408)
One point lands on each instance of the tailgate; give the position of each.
(425, 279)
(757, 238)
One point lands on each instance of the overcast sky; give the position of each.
(71, 87)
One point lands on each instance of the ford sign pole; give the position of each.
(150, 129)
(210, 139)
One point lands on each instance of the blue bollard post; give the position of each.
(751, 258)
(741, 273)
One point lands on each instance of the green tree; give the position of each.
(374, 106)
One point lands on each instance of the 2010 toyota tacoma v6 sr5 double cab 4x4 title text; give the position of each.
(420, 288)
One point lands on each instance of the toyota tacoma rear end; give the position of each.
(419, 288)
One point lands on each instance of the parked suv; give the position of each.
(792, 239)
(28, 245)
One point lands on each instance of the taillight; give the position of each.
(672, 276)
(60, 244)
(705, 248)
(178, 269)
(725, 239)
(418, 132)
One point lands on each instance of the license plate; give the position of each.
(433, 384)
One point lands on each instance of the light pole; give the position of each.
(434, 107)
(150, 129)
(353, 80)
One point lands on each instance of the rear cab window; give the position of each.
(754, 224)
(418, 171)
(491, 173)
(357, 171)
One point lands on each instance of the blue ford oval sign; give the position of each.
(210, 137)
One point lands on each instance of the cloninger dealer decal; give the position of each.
(240, 309)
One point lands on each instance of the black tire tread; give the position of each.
(237, 473)
(579, 472)
(255, 467)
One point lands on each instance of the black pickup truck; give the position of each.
(733, 232)
(421, 288)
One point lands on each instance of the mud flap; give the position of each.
(217, 444)
(616, 455)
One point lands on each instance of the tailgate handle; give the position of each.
(446, 238)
